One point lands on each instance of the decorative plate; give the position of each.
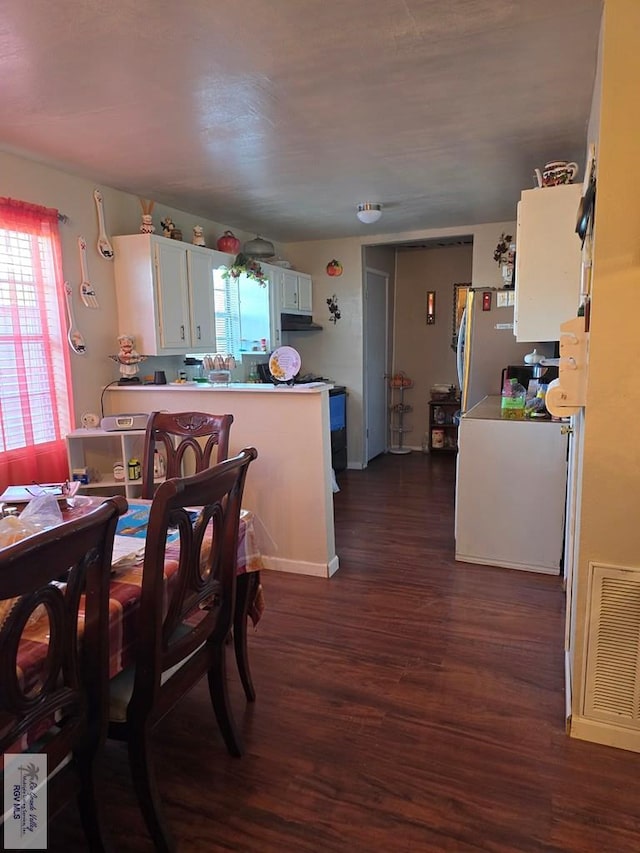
(90, 420)
(284, 364)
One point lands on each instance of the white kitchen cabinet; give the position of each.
(548, 262)
(164, 293)
(98, 451)
(295, 292)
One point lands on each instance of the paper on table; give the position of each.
(24, 494)
(122, 547)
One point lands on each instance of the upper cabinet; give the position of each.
(295, 292)
(548, 262)
(164, 292)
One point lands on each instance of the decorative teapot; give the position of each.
(556, 172)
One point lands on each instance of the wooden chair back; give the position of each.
(199, 606)
(183, 623)
(186, 439)
(62, 681)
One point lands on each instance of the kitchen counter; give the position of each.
(289, 486)
(242, 387)
(489, 409)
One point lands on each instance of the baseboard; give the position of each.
(297, 567)
(505, 564)
(605, 733)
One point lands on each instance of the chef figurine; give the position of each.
(128, 359)
(198, 235)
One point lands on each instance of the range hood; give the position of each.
(298, 323)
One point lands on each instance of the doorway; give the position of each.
(376, 301)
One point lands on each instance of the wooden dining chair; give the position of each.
(187, 441)
(53, 682)
(184, 622)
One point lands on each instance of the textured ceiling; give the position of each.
(279, 117)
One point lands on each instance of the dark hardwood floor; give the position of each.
(410, 703)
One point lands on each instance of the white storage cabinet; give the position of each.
(510, 491)
(98, 451)
(164, 293)
(295, 292)
(548, 262)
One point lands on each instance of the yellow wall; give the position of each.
(609, 523)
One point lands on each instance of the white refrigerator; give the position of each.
(486, 344)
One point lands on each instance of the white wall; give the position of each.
(337, 352)
(73, 196)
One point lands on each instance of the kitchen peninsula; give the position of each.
(289, 487)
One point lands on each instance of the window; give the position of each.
(226, 294)
(242, 315)
(35, 401)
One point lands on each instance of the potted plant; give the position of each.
(244, 265)
(504, 255)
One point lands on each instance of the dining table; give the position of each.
(125, 591)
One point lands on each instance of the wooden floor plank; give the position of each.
(410, 703)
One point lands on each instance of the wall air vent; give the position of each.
(612, 686)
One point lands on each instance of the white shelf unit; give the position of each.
(99, 450)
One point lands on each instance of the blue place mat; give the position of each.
(136, 520)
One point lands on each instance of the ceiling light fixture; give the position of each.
(368, 212)
(259, 248)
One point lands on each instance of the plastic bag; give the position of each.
(42, 512)
(13, 529)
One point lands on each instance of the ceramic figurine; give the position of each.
(198, 236)
(147, 226)
(167, 226)
(128, 359)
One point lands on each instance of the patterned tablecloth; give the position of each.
(124, 599)
(124, 590)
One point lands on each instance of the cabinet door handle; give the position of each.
(198, 332)
(182, 332)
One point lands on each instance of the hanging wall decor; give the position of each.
(431, 307)
(334, 268)
(334, 311)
